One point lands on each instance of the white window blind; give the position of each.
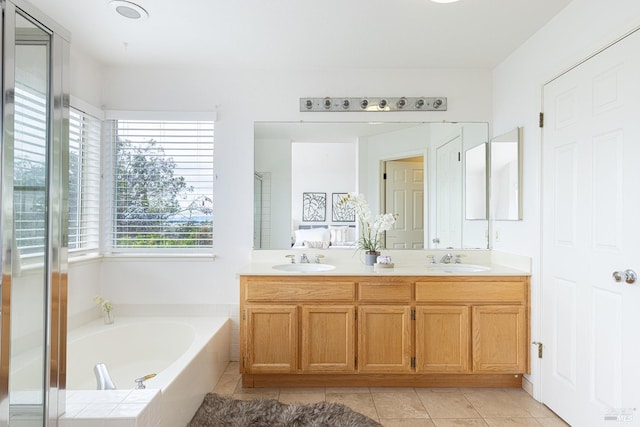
(84, 181)
(163, 184)
(30, 169)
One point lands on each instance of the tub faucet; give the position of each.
(304, 259)
(446, 258)
(103, 378)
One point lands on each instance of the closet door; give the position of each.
(591, 229)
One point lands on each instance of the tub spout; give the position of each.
(103, 378)
(140, 381)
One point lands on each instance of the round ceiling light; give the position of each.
(128, 9)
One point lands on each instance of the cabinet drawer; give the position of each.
(307, 291)
(384, 292)
(470, 291)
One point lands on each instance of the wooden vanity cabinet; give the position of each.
(272, 331)
(492, 313)
(296, 325)
(442, 338)
(327, 338)
(439, 331)
(384, 326)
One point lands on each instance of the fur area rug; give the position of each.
(222, 411)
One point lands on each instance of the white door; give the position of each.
(449, 195)
(404, 197)
(591, 228)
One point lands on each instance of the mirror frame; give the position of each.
(514, 136)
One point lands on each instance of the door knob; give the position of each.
(629, 276)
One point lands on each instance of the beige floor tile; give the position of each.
(301, 395)
(256, 393)
(440, 389)
(227, 384)
(394, 404)
(512, 422)
(461, 422)
(552, 422)
(233, 368)
(345, 390)
(447, 405)
(496, 404)
(524, 399)
(359, 402)
(408, 422)
(392, 389)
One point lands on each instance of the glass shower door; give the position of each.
(32, 219)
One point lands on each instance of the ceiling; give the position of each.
(304, 34)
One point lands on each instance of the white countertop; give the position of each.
(406, 263)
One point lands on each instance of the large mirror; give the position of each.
(414, 170)
(506, 176)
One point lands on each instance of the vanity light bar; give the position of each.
(423, 103)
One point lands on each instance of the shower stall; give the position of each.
(34, 176)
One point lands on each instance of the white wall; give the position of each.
(274, 157)
(323, 168)
(579, 30)
(242, 97)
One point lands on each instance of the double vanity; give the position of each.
(341, 323)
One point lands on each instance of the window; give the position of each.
(84, 181)
(30, 169)
(162, 184)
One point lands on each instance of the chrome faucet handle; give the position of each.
(318, 258)
(432, 259)
(458, 259)
(292, 257)
(140, 381)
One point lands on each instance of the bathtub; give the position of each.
(188, 354)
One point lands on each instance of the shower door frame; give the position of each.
(55, 255)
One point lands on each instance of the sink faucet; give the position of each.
(304, 259)
(446, 258)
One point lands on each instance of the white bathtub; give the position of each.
(188, 354)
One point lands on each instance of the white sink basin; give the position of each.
(304, 268)
(458, 268)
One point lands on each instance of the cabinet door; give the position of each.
(272, 338)
(499, 338)
(328, 338)
(384, 334)
(442, 338)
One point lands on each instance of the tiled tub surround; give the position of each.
(189, 354)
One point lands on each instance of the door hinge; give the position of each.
(459, 156)
(413, 362)
(541, 120)
(384, 175)
(244, 362)
(540, 346)
(355, 314)
(413, 315)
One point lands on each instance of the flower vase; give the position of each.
(370, 257)
(108, 317)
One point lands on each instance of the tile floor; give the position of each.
(412, 407)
